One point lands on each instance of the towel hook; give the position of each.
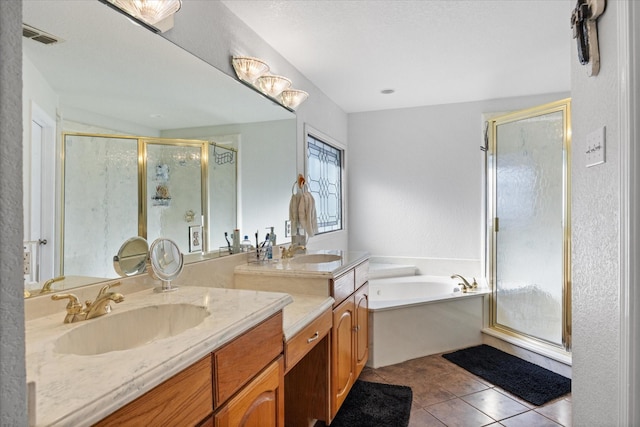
(301, 182)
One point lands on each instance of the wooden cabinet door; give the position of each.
(342, 348)
(361, 328)
(259, 404)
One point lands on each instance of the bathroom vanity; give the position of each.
(223, 355)
(320, 381)
(212, 372)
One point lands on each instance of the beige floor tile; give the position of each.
(559, 411)
(495, 404)
(370, 375)
(446, 394)
(421, 418)
(516, 398)
(529, 419)
(461, 384)
(457, 412)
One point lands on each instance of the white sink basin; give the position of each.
(315, 258)
(130, 329)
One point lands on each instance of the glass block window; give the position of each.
(324, 177)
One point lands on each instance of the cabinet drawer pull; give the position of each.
(313, 338)
(356, 328)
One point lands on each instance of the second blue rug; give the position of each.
(526, 380)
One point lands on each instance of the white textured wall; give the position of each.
(415, 178)
(12, 370)
(595, 238)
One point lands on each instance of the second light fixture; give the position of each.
(256, 72)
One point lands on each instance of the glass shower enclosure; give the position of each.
(528, 227)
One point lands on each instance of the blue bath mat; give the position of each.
(371, 404)
(530, 382)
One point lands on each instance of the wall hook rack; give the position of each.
(585, 30)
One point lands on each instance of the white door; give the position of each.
(42, 195)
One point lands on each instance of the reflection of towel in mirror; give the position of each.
(307, 214)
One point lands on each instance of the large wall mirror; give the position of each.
(107, 76)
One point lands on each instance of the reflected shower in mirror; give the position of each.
(107, 76)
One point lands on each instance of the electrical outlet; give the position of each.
(27, 262)
(287, 228)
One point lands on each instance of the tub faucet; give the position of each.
(466, 286)
(100, 306)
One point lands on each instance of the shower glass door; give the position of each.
(529, 230)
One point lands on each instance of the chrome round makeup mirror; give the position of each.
(131, 257)
(165, 263)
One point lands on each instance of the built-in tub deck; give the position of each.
(415, 316)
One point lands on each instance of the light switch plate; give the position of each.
(287, 228)
(596, 147)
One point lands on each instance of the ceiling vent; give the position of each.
(39, 35)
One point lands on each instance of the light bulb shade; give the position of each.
(149, 11)
(273, 85)
(249, 69)
(292, 98)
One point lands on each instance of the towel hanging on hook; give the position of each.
(302, 208)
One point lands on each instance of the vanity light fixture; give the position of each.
(292, 98)
(249, 69)
(254, 72)
(273, 85)
(157, 15)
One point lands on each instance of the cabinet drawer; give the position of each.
(241, 359)
(362, 274)
(342, 287)
(298, 346)
(184, 399)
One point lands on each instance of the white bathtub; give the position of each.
(416, 316)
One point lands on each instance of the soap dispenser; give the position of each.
(275, 249)
(272, 237)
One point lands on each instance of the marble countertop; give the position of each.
(284, 267)
(81, 390)
(303, 310)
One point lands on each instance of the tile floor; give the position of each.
(446, 395)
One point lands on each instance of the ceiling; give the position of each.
(429, 52)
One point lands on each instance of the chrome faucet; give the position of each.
(291, 250)
(465, 285)
(99, 307)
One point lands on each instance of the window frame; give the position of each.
(326, 139)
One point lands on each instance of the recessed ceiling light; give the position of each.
(387, 91)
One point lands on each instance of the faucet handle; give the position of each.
(106, 287)
(74, 306)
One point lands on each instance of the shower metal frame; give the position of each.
(492, 223)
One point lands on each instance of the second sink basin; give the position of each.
(315, 258)
(130, 329)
